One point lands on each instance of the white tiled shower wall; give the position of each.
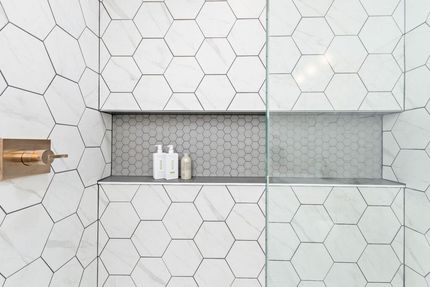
(194, 55)
(214, 236)
(49, 89)
(407, 144)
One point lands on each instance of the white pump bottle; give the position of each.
(158, 163)
(172, 164)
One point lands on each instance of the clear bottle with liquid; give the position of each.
(172, 164)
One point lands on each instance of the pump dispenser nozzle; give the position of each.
(159, 148)
(171, 150)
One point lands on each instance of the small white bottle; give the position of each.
(186, 167)
(158, 163)
(172, 160)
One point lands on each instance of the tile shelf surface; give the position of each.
(115, 180)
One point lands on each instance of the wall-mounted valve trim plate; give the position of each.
(23, 157)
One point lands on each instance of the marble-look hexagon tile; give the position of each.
(247, 37)
(214, 273)
(214, 240)
(313, 36)
(119, 220)
(215, 92)
(152, 92)
(151, 238)
(184, 9)
(119, 9)
(153, 56)
(346, 92)
(283, 203)
(283, 17)
(183, 192)
(151, 202)
(418, 217)
(24, 61)
(37, 272)
(413, 167)
(216, 19)
(284, 55)
(312, 261)
(313, 102)
(247, 102)
(345, 205)
(182, 220)
(247, 9)
(182, 282)
(68, 15)
(89, 42)
(380, 72)
(391, 148)
(120, 101)
(312, 223)
(65, 101)
(91, 166)
(153, 20)
(417, 13)
(215, 56)
(87, 249)
(92, 128)
(310, 8)
(281, 273)
(121, 74)
(65, 54)
(17, 108)
(417, 50)
(150, 272)
(282, 241)
(184, 38)
(182, 258)
(312, 73)
(245, 283)
(68, 275)
(345, 243)
(214, 202)
(346, 54)
(106, 146)
(63, 195)
(246, 221)
(183, 102)
(379, 224)
(246, 259)
(379, 263)
(247, 74)
(123, 281)
(385, 7)
(380, 196)
(23, 192)
(380, 34)
(119, 256)
(89, 88)
(120, 192)
(417, 88)
(417, 252)
(36, 17)
(342, 274)
(121, 38)
(63, 242)
(17, 251)
(312, 195)
(3, 84)
(184, 74)
(346, 18)
(246, 194)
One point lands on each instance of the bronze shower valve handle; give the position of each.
(36, 157)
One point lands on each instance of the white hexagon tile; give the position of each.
(406, 146)
(312, 41)
(49, 89)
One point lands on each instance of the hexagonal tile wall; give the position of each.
(336, 251)
(217, 33)
(48, 83)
